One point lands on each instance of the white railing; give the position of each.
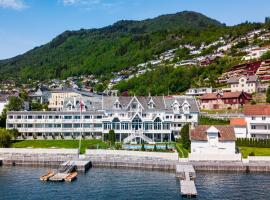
(137, 134)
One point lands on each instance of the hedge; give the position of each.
(253, 142)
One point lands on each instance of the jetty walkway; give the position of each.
(187, 175)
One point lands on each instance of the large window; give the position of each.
(157, 124)
(116, 124)
(136, 123)
(124, 125)
(148, 125)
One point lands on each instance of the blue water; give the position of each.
(123, 184)
(149, 147)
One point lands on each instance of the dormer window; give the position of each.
(134, 105)
(117, 105)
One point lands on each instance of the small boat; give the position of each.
(46, 177)
(70, 177)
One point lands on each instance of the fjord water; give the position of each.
(122, 184)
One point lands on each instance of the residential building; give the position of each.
(198, 91)
(56, 100)
(240, 127)
(224, 100)
(40, 96)
(209, 140)
(264, 71)
(258, 121)
(152, 119)
(247, 84)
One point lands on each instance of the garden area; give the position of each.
(253, 147)
(68, 144)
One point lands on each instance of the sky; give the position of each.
(25, 24)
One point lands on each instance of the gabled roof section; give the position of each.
(250, 79)
(226, 133)
(135, 99)
(253, 110)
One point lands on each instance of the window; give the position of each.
(76, 125)
(87, 125)
(19, 117)
(263, 118)
(77, 117)
(124, 126)
(157, 124)
(10, 116)
(67, 117)
(29, 125)
(97, 125)
(67, 125)
(253, 118)
(134, 106)
(253, 127)
(87, 117)
(39, 117)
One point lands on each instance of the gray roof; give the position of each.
(160, 102)
(250, 79)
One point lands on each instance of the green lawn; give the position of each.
(69, 144)
(257, 151)
(182, 152)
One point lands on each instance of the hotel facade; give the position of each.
(152, 119)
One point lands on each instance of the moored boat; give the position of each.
(71, 176)
(46, 177)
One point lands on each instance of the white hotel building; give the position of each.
(152, 119)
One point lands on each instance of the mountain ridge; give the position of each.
(107, 49)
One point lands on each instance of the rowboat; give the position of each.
(71, 176)
(46, 177)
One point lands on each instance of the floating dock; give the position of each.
(187, 175)
(81, 165)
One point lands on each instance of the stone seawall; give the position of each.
(37, 157)
(132, 159)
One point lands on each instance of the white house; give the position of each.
(240, 127)
(199, 91)
(247, 84)
(213, 143)
(258, 121)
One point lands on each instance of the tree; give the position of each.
(266, 55)
(36, 106)
(14, 133)
(5, 138)
(15, 104)
(185, 136)
(268, 95)
(111, 137)
(3, 118)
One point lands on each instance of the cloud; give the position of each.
(81, 2)
(13, 4)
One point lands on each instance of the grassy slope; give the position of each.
(70, 144)
(182, 152)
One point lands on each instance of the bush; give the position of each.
(111, 137)
(143, 148)
(185, 136)
(251, 154)
(5, 138)
(155, 147)
(118, 146)
(253, 142)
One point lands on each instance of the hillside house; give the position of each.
(224, 100)
(247, 84)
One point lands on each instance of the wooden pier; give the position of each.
(81, 166)
(186, 174)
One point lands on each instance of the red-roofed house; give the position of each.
(226, 100)
(212, 140)
(240, 127)
(258, 120)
